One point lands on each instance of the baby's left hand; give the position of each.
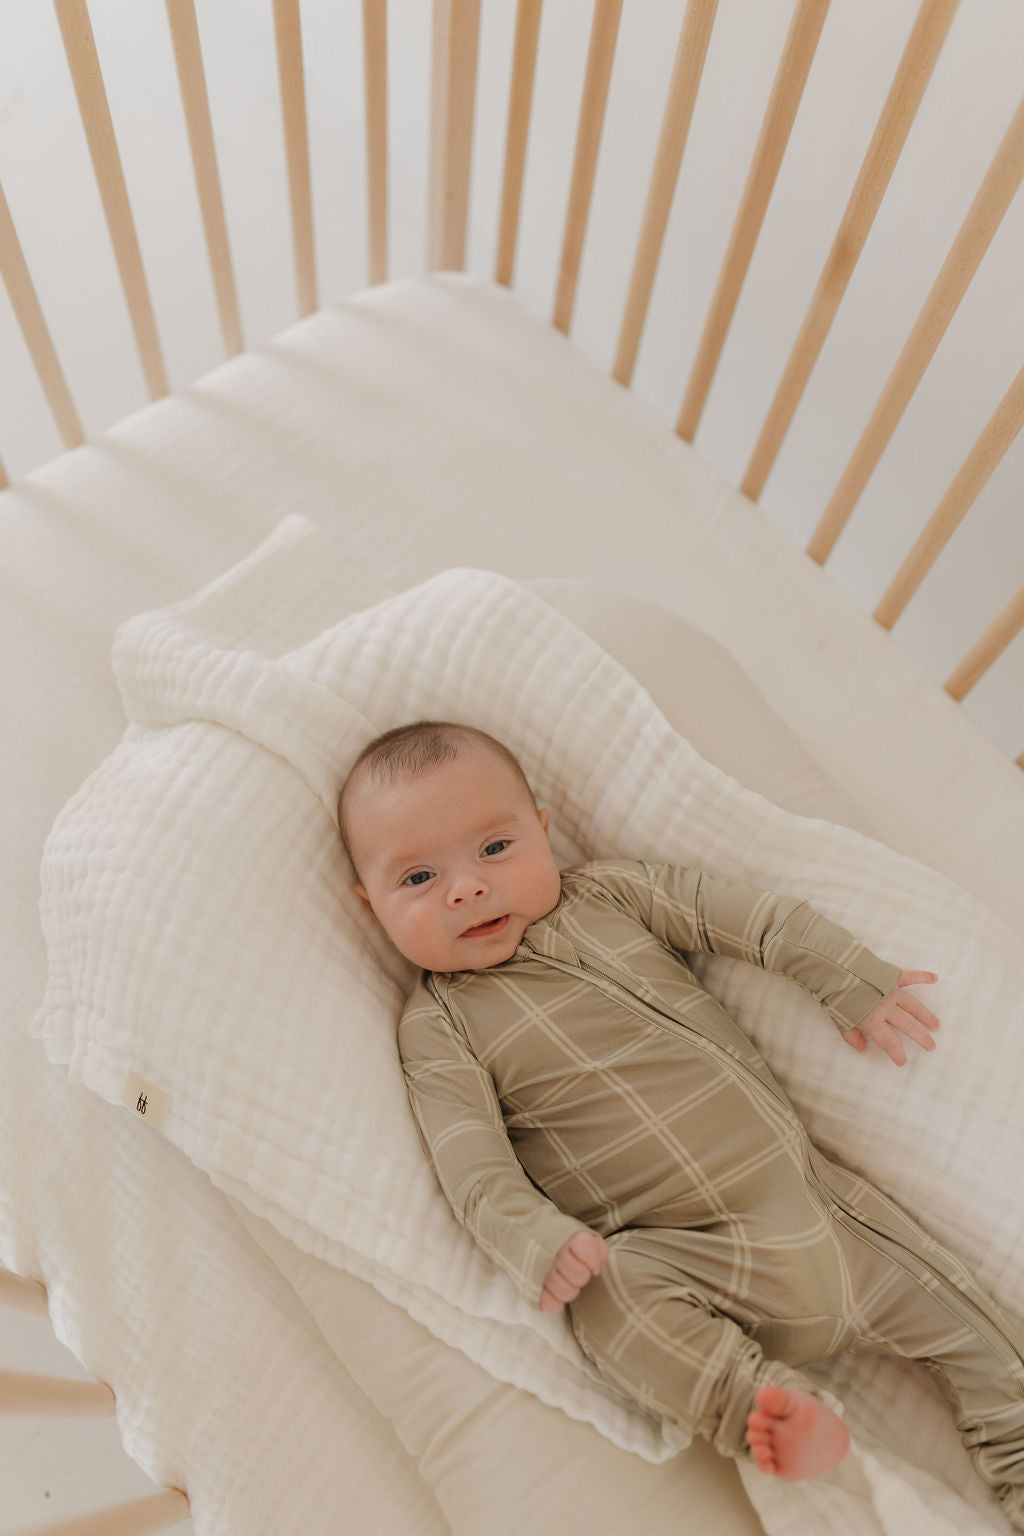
(898, 1011)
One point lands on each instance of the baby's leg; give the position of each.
(658, 1338)
(793, 1435)
(919, 1301)
(977, 1362)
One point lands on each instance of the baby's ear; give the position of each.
(360, 891)
(543, 815)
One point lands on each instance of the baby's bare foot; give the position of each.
(792, 1435)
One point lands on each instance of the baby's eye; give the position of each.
(499, 845)
(417, 878)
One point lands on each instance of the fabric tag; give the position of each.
(149, 1103)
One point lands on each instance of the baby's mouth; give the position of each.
(482, 930)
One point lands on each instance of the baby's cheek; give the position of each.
(419, 927)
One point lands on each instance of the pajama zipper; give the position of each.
(828, 1198)
(700, 1040)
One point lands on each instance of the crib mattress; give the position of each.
(422, 424)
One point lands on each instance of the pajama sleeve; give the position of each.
(687, 909)
(459, 1118)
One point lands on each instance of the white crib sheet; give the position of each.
(423, 424)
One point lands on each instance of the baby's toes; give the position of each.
(763, 1456)
(760, 1440)
(771, 1400)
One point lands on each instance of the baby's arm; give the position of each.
(459, 1118)
(691, 911)
(576, 1262)
(899, 1010)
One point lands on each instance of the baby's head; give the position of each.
(451, 852)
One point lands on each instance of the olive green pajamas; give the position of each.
(591, 1082)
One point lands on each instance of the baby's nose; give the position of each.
(464, 888)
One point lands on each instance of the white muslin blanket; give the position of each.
(211, 968)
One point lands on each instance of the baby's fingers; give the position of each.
(915, 978)
(557, 1291)
(572, 1269)
(891, 1044)
(917, 1010)
(591, 1248)
(909, 1022)
(575, 1263)
(549, 1302)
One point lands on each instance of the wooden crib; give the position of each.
(456, 25)
(453, 69)
(47, 1395)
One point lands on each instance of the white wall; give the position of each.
(47, 175)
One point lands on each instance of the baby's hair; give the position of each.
(409, 750)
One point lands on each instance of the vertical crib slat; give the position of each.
(915, 70)
(1006, 627)
(25, 303)
(22, 1294)
(524, 63)
(453, 69)
(687, 70)
(972, 241)
(80, 49)
(288, 39)
(603, 35)
(375, 78)
(999, 433)
(790, 79)
(140, 1517)
(188, 59)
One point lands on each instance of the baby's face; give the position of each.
(456, 863)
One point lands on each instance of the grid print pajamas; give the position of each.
(591, 1082)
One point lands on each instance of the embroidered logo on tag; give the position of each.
(148, 1103)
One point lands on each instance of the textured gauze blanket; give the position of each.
(211, 967)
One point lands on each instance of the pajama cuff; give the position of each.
(521, 1233)
(730, 1435)
(552, 1230)
(876, 980)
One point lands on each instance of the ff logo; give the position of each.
(144, 1099)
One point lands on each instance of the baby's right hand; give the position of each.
(576, 1262)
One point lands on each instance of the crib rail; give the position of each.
(455, 47)
(375, 87)
(37, 337)
(288, 37)
(687, 69)
(80, 48)
(794, 68)
(139, 1517)
(52, 1396)
(188, 60)
(453, 88)
(915, 70)
(600, 57)
(973, 239)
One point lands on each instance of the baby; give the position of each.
(616, 1143)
